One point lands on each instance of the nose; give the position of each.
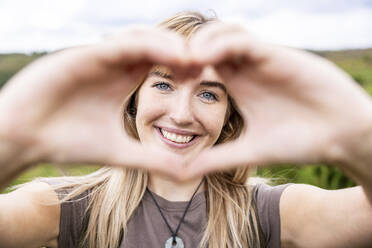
(182, 113)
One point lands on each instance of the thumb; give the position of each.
(220, 158)
(243, 152)
(154, 159)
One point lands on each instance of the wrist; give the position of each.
(353, 154)
(352, 149)
(16, 154)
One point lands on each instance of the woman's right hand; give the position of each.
(66, 107)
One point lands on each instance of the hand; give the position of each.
(297, 107)
(67, 106)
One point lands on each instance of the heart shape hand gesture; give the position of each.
(66, 107)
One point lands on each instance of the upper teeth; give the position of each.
(176, 137)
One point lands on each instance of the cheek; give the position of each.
(149, 109)
(213, 119)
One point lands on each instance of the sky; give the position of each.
(47, 25)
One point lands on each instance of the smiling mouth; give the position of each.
(176, 138)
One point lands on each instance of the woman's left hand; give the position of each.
(297, 107)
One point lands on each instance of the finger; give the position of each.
(257, 152)
(180, 74)
(210, 31)
(109, 150)
(155, 45)
(220, 158)
(153, 159)
(217, 45)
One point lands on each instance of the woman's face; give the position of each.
(182, 116)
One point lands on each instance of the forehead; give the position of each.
(210, 73)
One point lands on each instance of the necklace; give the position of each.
(174, 241)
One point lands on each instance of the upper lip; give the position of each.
(178, 131)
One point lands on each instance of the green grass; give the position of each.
(322, 176)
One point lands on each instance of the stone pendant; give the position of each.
(177, 244)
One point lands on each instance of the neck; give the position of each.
(173, 190)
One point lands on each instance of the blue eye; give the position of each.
(209, 96)
(162, 86)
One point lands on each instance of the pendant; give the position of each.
(178, 243)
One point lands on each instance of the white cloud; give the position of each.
(318, 24)
(38, 14)
(312, 30)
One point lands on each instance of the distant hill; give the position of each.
(12, 63)
(358, 63)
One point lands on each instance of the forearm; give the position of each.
(15, 157)
(10, 164)
(355, 159)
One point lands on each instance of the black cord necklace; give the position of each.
(174, 241)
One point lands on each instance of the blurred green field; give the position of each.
(357, 63)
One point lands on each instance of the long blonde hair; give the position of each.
(115, 193)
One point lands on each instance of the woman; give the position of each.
(213, 85)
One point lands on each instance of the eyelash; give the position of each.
(158, 86)
(211, 94)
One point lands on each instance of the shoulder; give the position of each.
(267, 200)
(73, 211)
(37, 196)
(265, 193)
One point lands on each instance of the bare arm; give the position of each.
(26, 220)
(15, 157)
(313, 217)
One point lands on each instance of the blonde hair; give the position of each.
(115, 193)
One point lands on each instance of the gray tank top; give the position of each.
(147, 228)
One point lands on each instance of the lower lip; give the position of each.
(174, 144)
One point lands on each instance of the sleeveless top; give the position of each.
(146, 228)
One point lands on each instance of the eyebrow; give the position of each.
(214, 84)
(160, 74)
(202, 83)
